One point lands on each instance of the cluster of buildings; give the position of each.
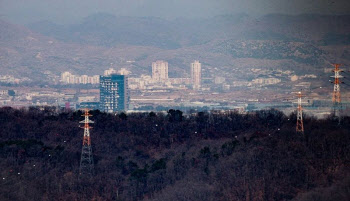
(69, 78)
(160, 78)
(111, 71)
(9, 79)
(157, 91)
(114, 85)
(266, 81)
(6, 96)
(111, 91)
(114, 93)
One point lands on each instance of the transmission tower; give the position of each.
(86, 160)
(336, 98)
(300, 124)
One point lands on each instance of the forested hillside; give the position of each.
(165, 157)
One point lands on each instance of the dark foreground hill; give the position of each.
(152, 156)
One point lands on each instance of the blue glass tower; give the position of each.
(114, 94)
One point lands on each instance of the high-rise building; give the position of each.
(196, 69)
(160, 71)
(114, 94)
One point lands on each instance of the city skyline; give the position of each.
(224, 62)
(152, 84)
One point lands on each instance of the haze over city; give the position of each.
(168, 100)
(65, 11)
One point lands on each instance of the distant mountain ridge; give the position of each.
(304, 42)
(275, 50)
(109, 30)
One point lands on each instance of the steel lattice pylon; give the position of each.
(300, 124)
(336, 98)
(86, 160)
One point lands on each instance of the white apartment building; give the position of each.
(266, 81)
(160, 71)
(69, 78)
(196, 74)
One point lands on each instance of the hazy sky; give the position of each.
(70, 11)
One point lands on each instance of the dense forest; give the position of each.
(172, 156)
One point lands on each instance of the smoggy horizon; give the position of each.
(66, 12)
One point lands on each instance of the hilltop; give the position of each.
(156, 156)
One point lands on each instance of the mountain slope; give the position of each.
(148, 156)
(108, 30)
(223, 43)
